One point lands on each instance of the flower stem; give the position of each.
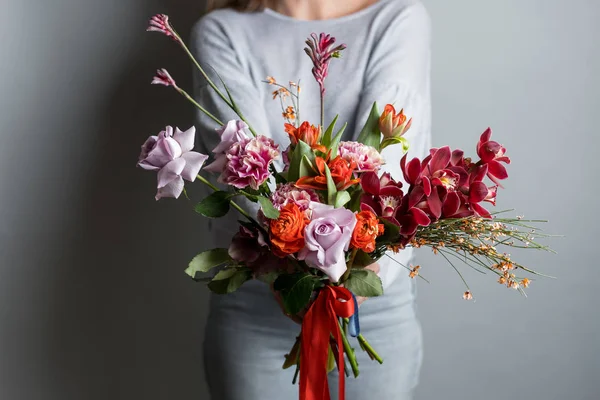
(194, 102)
(322, 109)
(213, 86)
(349, 351)
(369, 349)
(233, 203)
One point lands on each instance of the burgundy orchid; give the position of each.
(383, 196)
(492, 155)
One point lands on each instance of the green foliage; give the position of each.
(362, 259)
(296, 290)
(327, 135)
(331, 188)
(302, 149)
(395, 140)
(335, 142)
(391, 233)
(341, 198)
(229, 280)
(215, 205)
(364, 282)
(207, 260)
(370, 134)
(267, 207)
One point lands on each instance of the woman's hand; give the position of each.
(298, 317)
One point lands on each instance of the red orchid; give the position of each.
(492, 155)
(383, 196)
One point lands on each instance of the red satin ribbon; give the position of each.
(318, 324)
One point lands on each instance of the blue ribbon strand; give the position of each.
(354, 324)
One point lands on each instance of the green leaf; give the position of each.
(362, 259)
(326, 140)
(296, 290)
(356, 195)
(302, 149)
(341, 198)
(370, 134)
(229, 280)
(267, 207)
(365, 283)
(215, 205)
(336, 141)
(306, 167)
(391, 233)
(395, 140)
(207, 260)
(331, 188)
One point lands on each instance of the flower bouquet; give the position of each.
(329, 214)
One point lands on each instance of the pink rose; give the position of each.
(327, 239)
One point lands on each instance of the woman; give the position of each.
(388, 61)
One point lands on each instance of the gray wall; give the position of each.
(93, 302)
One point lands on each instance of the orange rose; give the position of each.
(366, 231)
(287, 232)
(308, 133)
(341, 173)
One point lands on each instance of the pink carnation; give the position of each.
(367, 158)
(288, 193)
(248, 162)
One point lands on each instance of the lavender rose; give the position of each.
(327, 239)
(170, 153)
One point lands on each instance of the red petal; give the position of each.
(479, 173)
(426, 186)
(366, 207)
(477, 192)
(440, 159)
(485, 136)
(370, 183)
(420, 217)
(482, 212)
(451, 204)
(497, 170)
(415, 196)
(457, 157)
(403, 166)
(435, 204)
(394, 191)
(413, 170)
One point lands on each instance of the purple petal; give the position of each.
(193, 164)
(170, 172)
(159, 156)
(185, 139)
(173, 189)
(218, 165)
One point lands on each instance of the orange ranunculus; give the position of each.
(393, 124)
(341, 172)
(366, 231)
(308, 133)
(287, 231)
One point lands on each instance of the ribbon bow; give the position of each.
(319, 323)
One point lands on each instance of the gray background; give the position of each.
(93, 300)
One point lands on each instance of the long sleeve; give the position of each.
(398, 73)
(216, 53)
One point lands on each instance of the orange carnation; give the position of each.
(341, 172)
(308, 133)
(287, 231)
(366, 231)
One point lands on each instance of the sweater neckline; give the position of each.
(354, 15)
